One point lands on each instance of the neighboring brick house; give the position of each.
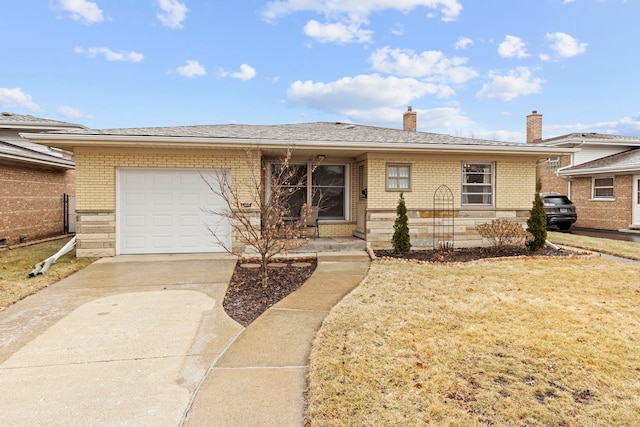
(602, 178)
(140, 190)
(33, 180)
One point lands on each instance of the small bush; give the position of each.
(537, 222)
(502, 233)
(401, 240)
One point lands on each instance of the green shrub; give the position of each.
(502, 233)
(537, 222)
(401, 240)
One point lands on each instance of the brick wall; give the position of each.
(31, 201)
(96, 185)
(514, 193)
(550, 181)
(603, 214)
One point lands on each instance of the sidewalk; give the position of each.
(260, 379)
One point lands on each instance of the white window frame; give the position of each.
(398, 178)
(463, 168)
(595, 188)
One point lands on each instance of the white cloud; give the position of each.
(246, 73)
(109, 54)
(16, 98)
(83, 11)
(565, 45)
(345, 18)
(518, 82)
(431, 65)
(337, 33)
(72, 113)
(512, 47)
(450, 9)
(352, 94)
(397, 30)
(192, 69)
(463, 43)
(172, 13)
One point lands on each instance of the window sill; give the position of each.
(602, 199)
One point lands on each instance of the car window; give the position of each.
(558, 200)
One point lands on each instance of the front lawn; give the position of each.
(16, 264)
(522, 342)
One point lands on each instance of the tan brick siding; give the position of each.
(31, 201)
(514, 180)
(603, 214)
(96, 170)
(514, 193)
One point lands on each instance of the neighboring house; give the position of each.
(33, 180)
(140, 190)
(602, 178)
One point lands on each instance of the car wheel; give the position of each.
(564, 226)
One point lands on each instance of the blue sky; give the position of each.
(468, 67)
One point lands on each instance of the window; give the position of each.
(328, 190)
(296, 186)
(602, 188)
(362, 193)
(553, 163)
(327, 186)
(398, 177)
(477, 184)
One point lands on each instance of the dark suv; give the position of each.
(560, 211)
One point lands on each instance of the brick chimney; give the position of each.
(534, 127)
(410, 120)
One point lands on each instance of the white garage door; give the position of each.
(162, 211)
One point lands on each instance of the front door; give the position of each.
(636, 200)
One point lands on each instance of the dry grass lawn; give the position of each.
(521, 342)
(16, 264)
(619, 248)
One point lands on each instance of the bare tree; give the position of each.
(270, 222)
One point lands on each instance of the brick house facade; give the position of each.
(600, 177)
(118, 170)
(33, 181)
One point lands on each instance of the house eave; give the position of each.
(70, 141)
(39, 162)
(599, 171)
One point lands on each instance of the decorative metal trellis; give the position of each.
(443, 218)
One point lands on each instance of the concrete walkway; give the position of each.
(260, 379)
(143, 340)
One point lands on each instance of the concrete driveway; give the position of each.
(126, 341)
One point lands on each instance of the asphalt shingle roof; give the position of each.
(13, 120)
(620, 160)
(318, 131)
(601, 137)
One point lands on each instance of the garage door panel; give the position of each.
(162, 220)
(164, 211)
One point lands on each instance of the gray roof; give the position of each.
(625, 161)
(14, 152)
(319, 131)
(11, 120)
(591, 136)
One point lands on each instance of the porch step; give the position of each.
(331, 244)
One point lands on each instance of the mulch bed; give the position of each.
(246, 298)
(470, 254)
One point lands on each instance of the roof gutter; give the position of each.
(596, 171)
(68, 141)
(23, 159)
